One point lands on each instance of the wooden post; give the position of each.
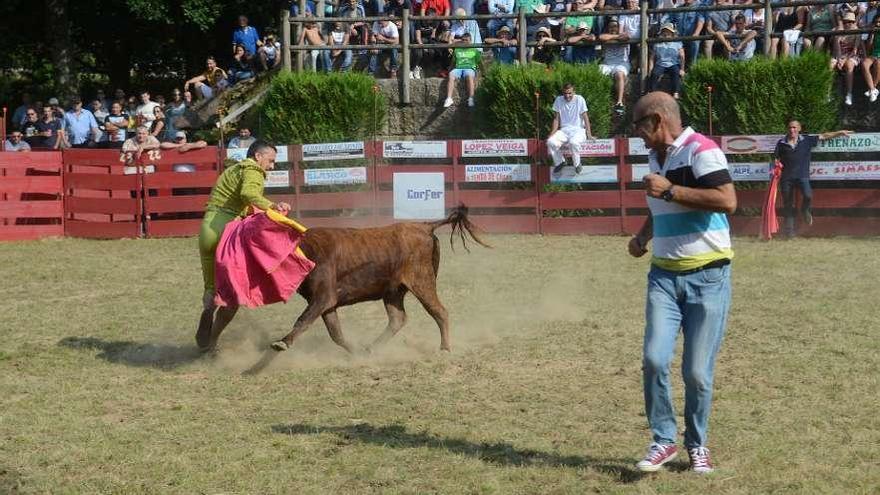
(521, 38)
(285, 40)
(299, 29)
(643, 48)
(404, 66)
(768, 26)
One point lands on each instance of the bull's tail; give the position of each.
(461, 225)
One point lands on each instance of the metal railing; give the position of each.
(405, 45)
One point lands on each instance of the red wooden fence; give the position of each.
(101, 201)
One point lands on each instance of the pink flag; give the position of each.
(769, 222)
(258, 262)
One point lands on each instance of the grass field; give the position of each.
(103, 390)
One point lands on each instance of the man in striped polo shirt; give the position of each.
(689, 191)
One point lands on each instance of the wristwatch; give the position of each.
(668, 195)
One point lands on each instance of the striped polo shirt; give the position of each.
(687, 238)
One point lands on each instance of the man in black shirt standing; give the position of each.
(794, 151)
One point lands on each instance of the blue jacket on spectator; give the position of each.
(684, 22)
(248, 37)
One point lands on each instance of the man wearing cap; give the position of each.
(182, 146)
(688, 24)
(16, 143)
(580, 52)
(80, 125)
(543, 53)
(505, 52)
(571, 125)
(56, 108)
(668, 59)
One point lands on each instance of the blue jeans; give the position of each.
(374, 60)
(787, 186)
(696, 303)
(345, 66)
(692, 51)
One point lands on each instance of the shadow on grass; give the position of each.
(500, 453)
(161, 356)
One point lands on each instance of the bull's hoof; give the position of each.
(280, 346)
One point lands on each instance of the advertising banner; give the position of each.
(239, 154)
(414, 149)
(494, 147)
(598, 147)
(854, 143)
(277, 178)
(590, 174)
(512, 172)
(335, 176)
(333, 151)
(419, 196)
(637, 147)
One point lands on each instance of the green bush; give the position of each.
(506, 97)
(757, 96)
(307, 107)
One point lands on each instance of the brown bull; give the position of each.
(355, 265)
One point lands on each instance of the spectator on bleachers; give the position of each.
(616, 60)
(571, 126)
(871, 64)
(188, 99)
(340, 36)
(20, 113)
(557, 24)
(51, 129)
(424, 32)
(80, 126)
(739, 42)
(384, 33)
(311, 35)
(460, 26)
(244, 139)
(573, 23)
(246, 36)
(131, 107)
(212, 81)
(146, 111)
(581, 52)
(118, 95)
(845, 8)
(442, 7)
(174, 110)
(133, 148)
(688, 24)
(311, 8)
(847, 54)
(788, 22)
(115, 126)
(819, 18)
(270, 53)
(466, 5)
(668, 60)
(105, 102)
(466, 61)
(100, 113)
(16, 143)
(242, 67)
(351, 8)
(30, 130)
(720, 21)
(181, 144)
(542, 52)
(396, 7)
(505, 52)
(57, 111)
(500, 7)
(157, 126)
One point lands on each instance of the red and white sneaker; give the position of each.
(657, 456)
(700, 460)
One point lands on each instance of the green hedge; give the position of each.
(307, 107)
(756, 97)
(506, 98)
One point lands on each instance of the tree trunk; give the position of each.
(58, 29)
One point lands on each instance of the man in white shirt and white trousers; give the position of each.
(571, 125)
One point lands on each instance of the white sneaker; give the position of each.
(848, 100)
(700, 461)
(471, 101)
(412, 74)
(418, 72)
(447, 103)
(874, 94)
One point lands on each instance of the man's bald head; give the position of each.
(661, 104)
